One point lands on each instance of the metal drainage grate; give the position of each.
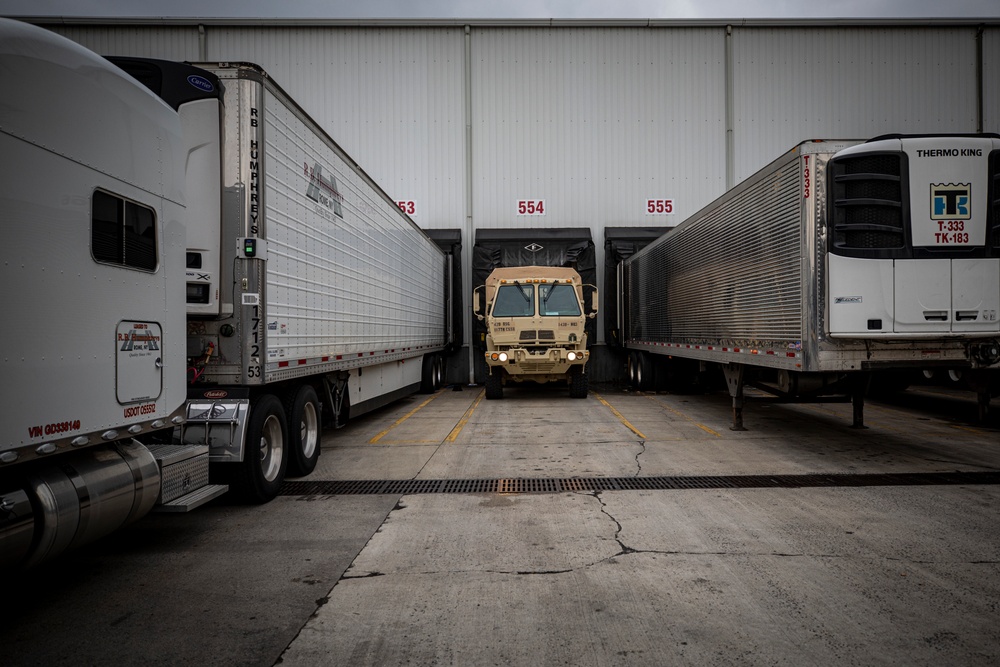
(556, 485)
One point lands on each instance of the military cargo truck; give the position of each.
(535, 317)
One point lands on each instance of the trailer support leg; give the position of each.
(984, 404)
(734, 380)
(859, 387)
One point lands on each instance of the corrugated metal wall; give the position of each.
(793, 84)
(593, 120)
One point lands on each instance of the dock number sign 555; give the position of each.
(659, 207)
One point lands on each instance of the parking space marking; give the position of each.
(683, 416)
(465, 418)
(621, 418)
(402, 419)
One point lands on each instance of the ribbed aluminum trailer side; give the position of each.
(837, 259)
(308, 289)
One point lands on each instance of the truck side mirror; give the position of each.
(479, 301)
(590, 301)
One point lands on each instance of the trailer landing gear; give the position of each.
(859, 387)
(734, 381)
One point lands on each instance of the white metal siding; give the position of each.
(792, 84)
(991, 80)
(595, 121)
(393, 98)
(167, 43)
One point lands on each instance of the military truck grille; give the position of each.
(995, 200)
(538, 366)
(530, 335)
(867, 197)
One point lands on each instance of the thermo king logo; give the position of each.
(951, 201)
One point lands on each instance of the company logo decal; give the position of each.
(323, 190)
(951, 201)
(216, 393)
(201, 83)
(848, 299)
(533, 247)
(139, 339)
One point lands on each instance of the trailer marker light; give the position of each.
(110, 435)
(47, 448)
(134, 428)
(159, 423)
(79, 441)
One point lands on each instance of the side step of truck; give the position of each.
(184, 478)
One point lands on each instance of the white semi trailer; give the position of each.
(837, 259)
(195, 273)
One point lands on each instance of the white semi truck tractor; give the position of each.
(195, 275)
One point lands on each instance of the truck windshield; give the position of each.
(558, 300)
(514, 301)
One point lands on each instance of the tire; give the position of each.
(643, 372)
(631, 363)
(427, 370)
(262, 471)
(438, 371)
(305, 429)
(494, 384)
(578, 382)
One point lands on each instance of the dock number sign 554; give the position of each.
(531, 207)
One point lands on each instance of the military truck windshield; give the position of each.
(558, 300)
(514, 301)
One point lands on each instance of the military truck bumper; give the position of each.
(521, 363)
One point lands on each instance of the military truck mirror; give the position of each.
(479, 301)
(590, 300)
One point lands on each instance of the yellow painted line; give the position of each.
(966, 428)
(402, 419)
(465, 418)
(411, 442)
(683, 416)
(619, 415)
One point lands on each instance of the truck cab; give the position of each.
(535, 318)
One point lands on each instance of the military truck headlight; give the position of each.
(503, 356)
(571, 356)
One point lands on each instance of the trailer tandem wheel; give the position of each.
(305, 428)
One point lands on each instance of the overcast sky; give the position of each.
(484, 9)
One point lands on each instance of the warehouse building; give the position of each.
(577, 140)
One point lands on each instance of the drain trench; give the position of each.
(662, 483)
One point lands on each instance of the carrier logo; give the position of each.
(533, 247)
(201, 83)
(848, 299)
(951, 201)
(322, 189)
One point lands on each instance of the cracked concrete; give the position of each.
(648, 578)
